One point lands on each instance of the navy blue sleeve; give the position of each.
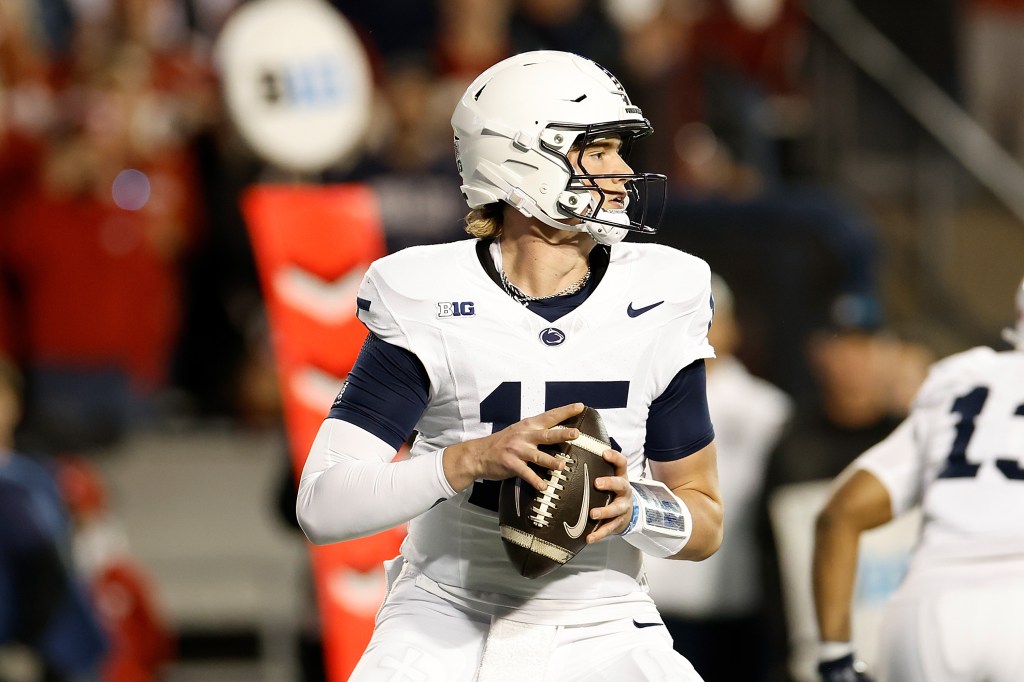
(679, 423)
(385, 393)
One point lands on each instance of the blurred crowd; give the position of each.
(128, 294)
(128, 289)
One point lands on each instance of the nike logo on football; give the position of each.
(576, 529)
(636, 312)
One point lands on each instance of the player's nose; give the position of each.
(621, 167)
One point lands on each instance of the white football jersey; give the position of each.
(960, 455)
(492, 362)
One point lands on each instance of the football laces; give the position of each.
(547, 500)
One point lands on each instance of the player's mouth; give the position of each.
(615, 202)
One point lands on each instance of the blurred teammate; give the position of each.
(959, 613)
(481, 346)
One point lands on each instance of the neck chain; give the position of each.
(517, 294)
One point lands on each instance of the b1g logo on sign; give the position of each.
(296, 81)
(319, 81)
(455, 309)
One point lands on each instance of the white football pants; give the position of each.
(964, 624)
(420, 637)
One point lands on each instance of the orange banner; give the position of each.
(312, 245)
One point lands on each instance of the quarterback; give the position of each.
(959, 613)
(477, 349)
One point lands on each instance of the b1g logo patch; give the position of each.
(456, 309)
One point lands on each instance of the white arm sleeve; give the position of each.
(350, 487)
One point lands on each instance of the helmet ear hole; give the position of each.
(576, 203)
(558, 140)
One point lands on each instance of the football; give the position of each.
(542, 530)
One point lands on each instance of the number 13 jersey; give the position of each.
(960, 455)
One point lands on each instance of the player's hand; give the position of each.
(617, 513)
(845, 669)
(509, 452)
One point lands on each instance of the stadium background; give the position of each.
(842, 161)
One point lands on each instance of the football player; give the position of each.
(959, 612)
(480, 347)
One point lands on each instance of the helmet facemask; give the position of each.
(583, 197)
(585, 200)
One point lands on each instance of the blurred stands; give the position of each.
(196, 507)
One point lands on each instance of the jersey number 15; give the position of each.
(503, 407)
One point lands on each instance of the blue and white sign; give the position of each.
(296, 81)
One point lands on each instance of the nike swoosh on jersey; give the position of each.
(576, 529)
(646, 625)
(635, 312)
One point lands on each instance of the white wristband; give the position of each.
(661, 523)
(830, 651)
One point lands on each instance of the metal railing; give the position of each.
(855, 47)
(934, 110)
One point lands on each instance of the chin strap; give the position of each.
(608, 234)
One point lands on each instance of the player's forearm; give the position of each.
(834, 572)
(860, 503)
(708, 525)
(350, 488)
(694, 480)
(458, 464)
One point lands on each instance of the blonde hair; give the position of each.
(486, 222)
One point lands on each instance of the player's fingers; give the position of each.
(614, 484)
(617, 507)
(530, 476)
(558, 415)
(603, 531)
(541, 458)
(554, 435)
(614, 518)
(617, 459)
(611, 526)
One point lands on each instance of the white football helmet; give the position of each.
(1015, 335)
(514, 128)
